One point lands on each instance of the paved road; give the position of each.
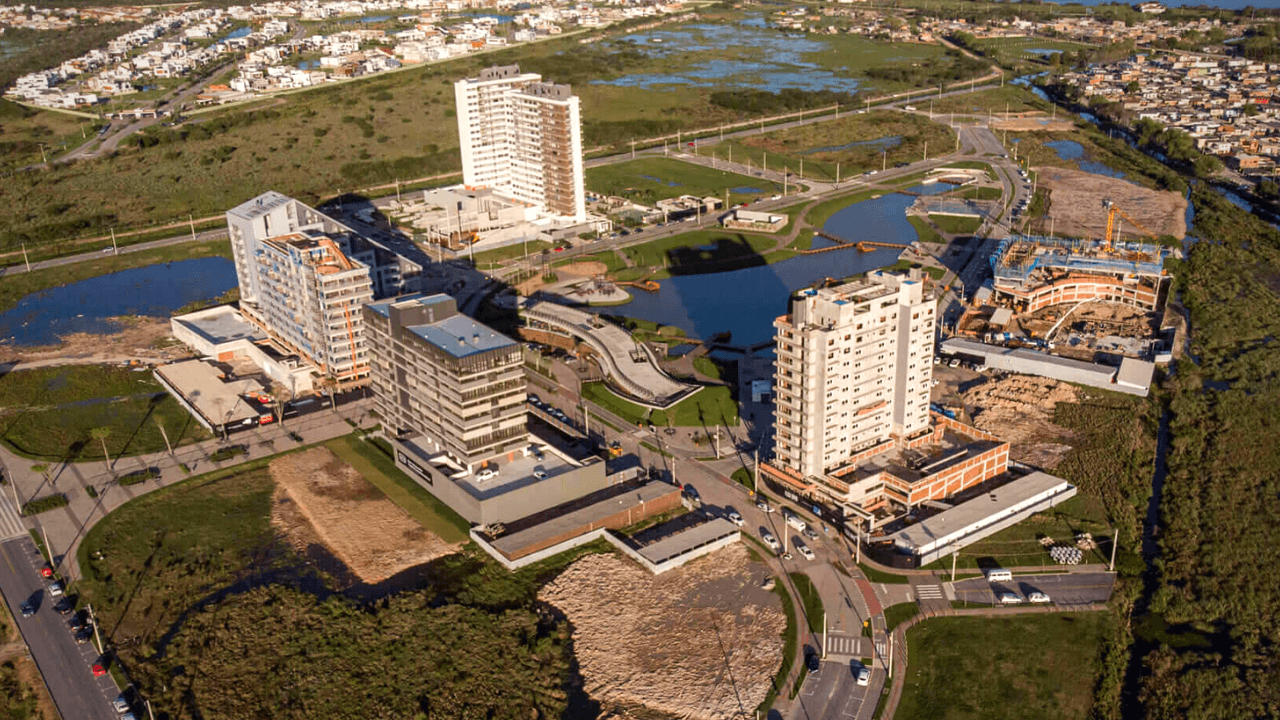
(99, 253)
(836, 695)
(1065, 590)
(64, 664)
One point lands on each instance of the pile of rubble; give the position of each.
(700, 642)
(1019, 409)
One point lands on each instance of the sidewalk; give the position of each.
(67, 526)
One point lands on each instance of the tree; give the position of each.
(329, 385)
(1207, 165)
(101, 434)
(280, 394)
(1250, 109)
(1133, 88)
(1268, 188)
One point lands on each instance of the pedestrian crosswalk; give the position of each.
(843, 645)
(10, 517)
(880, 648)
(929, 592)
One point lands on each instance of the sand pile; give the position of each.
(702, 641)
(1075, 205)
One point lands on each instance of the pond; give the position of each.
(1072, 150)
(86, 306)
(776, 61)
(369, 19)
(237, 33)
(745, 302)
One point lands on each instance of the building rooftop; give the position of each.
(202, 386)
(220, 325)
(687, 540)
(584, 516)
(383, 308)
(264, 203)
(969, 513)
(461, 336)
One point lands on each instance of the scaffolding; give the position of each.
(1018, 256)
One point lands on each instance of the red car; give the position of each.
(46, 572)
(560, 249)
(98, 670)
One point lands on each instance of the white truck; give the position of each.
(794, 521)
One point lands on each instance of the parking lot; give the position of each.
(1067, 589)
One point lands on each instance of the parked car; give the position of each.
(864, 676)
(735, 518)
(1038, 598)
(28, 609)
(485, 474)
(764, 506)
(805, 551)
(810, 533)
(55, 589)
(120, 705)
(83, 636)
(1008, 598)
(99, 669)
(64, 606)
(535, 399)
(769, 539)
(814, 663)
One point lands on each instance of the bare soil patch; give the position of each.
(700, 642)
(139, 338)
(1076, 209)
(371, 535)
(1019, 409)
(584, 268)
(1032, 121)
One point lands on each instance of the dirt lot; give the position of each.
(584, 268)
(371, 535)
(139, 338)
(668, 642)
(1032, 121)
(1075, 205)
(1019, 409)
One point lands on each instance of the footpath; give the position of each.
(65, 527)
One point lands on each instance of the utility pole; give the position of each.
(785, 172)
(24, 257)
(890, 653)
(1114, 542)
(858, 544)
(114, 250)
(884, 160)
(48, 549)
(953, 564)
(192, 220)
(97, 639)
(764, 163)
(824, 633)
(165, 435)
(930, 109)
(150, 714)
(926, 152)
(755, 482)
(837, 173)
(722, 132)
(633, 148)
(802, 168)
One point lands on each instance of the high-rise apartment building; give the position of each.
(453, 385)
(853, 371)
(304, 275)
(522, 137)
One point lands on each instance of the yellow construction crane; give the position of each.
(1112, 230)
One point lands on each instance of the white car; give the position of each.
(485, 474)
(764, 506)
(735, 518)
(539, 473)
(810, 533)
(770, 540)
(55, 589)
(1038, 598)
(1010, 599)
(805, 551)
(864, 676)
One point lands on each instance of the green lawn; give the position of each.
(936, 273)
(1018, 99)
(709, 406)
(1020, 545)
(979, 193)
(49, 413)
(895, 615)
(849, 142)
(707, 366)
(924, 231)
(490, 258)
(379, 469)
(648, 180)
(701, 250)
(810, 600)
(956, 225)
(1028, 667)
(880, 576)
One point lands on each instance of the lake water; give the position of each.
(237, 33)
(745, 302)
(1072, 150)
(776, 61)
(85, 306)
(369, 19)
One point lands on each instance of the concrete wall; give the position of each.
(504, 507)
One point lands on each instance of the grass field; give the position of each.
(810, 600)
(712, 249)
(648, 180)
(25, 129)
(1014, 98)
(1020, 48)
(49, 413)
(1020, 545)
(924, 231)
(851, 141)
(895, 615)
(710, 406)
(956, 225)
(19, 285)
(1029, 667)
(378, 468)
